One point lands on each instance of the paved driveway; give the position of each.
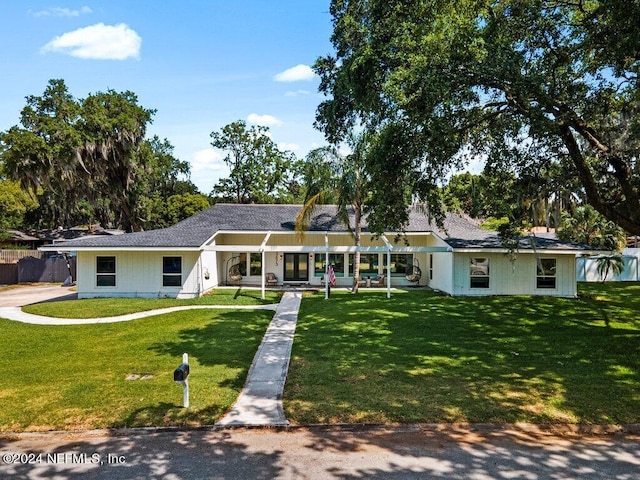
(24, 295)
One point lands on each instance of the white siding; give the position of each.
(518, 278)
(139, 274)
(442, 272)
(209, 269)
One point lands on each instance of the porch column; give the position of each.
(389, 247)
(388, 273)
(263, 263)
(326, 266)
(264, 274)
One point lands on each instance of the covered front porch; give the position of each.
(254, 258)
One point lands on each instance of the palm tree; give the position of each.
(585, 225)
(609, 264)
(343, 180)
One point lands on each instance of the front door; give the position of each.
(296, 267)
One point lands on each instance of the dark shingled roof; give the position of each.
(193, 232)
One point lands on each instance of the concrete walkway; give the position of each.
(16, 314)
(260, 402)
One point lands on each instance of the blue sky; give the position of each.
(200, 64)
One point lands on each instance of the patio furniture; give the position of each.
(271, 280)
(378, 281)
(363, 282)
(413, 271)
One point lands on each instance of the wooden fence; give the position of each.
(8, 273)
(31, 269)
(12, 256)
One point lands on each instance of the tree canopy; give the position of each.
(588, 227)
(14, 204)
(520, 83)
(88, 160)
(260, 171)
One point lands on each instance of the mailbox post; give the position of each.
(181, 376)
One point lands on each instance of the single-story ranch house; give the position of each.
(231, 244)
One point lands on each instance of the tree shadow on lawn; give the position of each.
(228, 340)
(426, 357)
(220, 355)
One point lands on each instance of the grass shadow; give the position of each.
(422, 357)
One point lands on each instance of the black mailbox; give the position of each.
(181, 373)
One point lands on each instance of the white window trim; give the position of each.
(173, 274)
(554, 276)
(487, 276)
(114, 274)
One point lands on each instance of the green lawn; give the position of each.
(417, 357)
(109, 307)
(423, 357)
(70, 377)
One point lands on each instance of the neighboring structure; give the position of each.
(240, 244)
(587, 268)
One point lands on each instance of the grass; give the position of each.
(423, 357)
(109, 307)
(74, 377)
(417, 357)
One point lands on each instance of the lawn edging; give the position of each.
(468, 432)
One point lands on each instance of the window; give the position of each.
(106, 271)
(368, 263)
(479, 273)
(171, 271)
(546, 273)
(401, 264)
(335, 259)
(255, 265)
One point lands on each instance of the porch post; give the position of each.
(264, 273)
(389, 247)
(326, 266)
(388, 273)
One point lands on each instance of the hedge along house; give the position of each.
(231, 244)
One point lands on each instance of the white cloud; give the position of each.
(207, 159)
(61, 12)
(297, 93)
(207, 168)
(264, 120)
(100, 41)
(293, 147)
(295, 74)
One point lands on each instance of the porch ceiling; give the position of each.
(322, 249)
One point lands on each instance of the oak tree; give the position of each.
(521, 83)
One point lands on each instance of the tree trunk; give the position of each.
(625, 213)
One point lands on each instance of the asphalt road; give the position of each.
(408, 452)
